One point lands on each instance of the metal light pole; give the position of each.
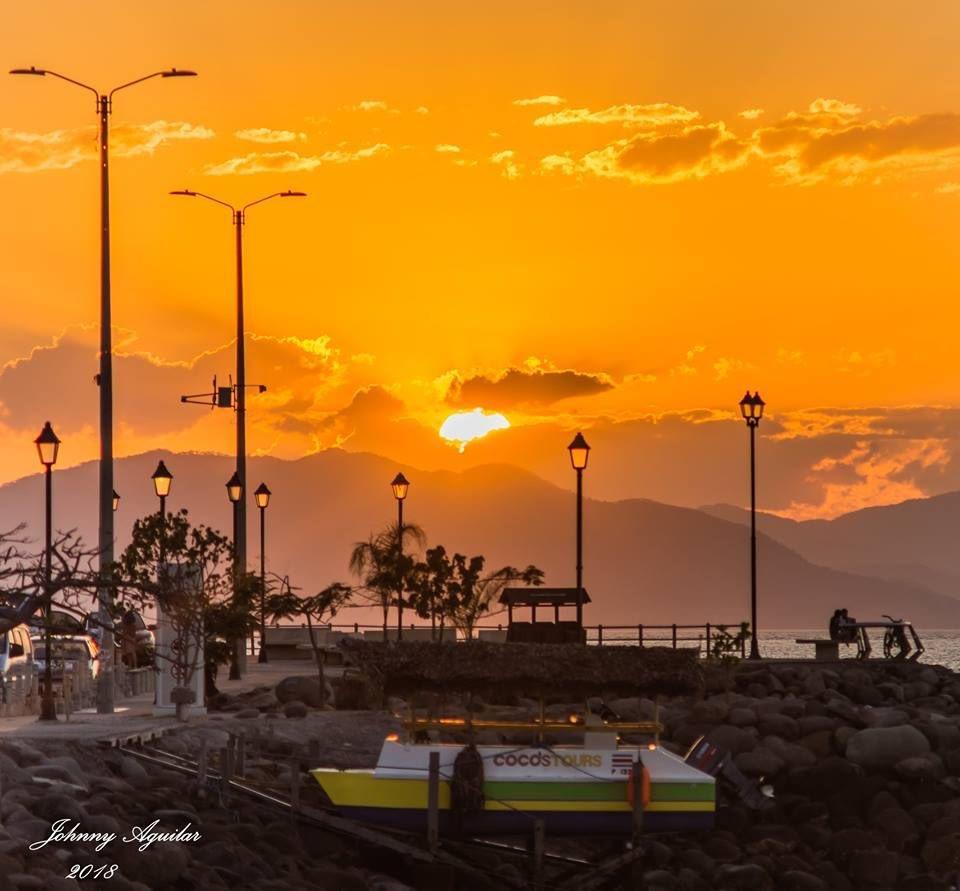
(236, 495)
(400, 485)
(48, 447)
(104, 107)
(579, 455)
(751, 408)
(238, 216)
(262, 496)
(162, 481)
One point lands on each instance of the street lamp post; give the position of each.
(162, 481)
(579, 455)
(239, 217)
(262, 496)
(400, 485)
(48, 447)
(116, 501)
(236, 494)
(751, 408)
(104, 108)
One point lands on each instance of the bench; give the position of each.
(825, 649)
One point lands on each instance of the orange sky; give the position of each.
(608, 215)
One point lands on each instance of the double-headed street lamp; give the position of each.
(262, 496)
(400, 485)
(48, 448)
(240, 529)
(579, 455)
(751, 408)
(104, 107)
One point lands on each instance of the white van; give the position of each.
(16, 649)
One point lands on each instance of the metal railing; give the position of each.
(673, 635)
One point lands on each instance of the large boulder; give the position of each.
(300, 688)
(879, 748)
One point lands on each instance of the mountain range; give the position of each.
(645, 562)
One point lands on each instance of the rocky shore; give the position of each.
(859, 764)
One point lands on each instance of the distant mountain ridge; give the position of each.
(644, 561)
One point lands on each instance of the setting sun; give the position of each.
(465, 426)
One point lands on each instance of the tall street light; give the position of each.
(751, 408)
(579, 455)
(104, 108)
(400, 485)
(262, 496)
(239, 216)
(48, 447)
(235, 494)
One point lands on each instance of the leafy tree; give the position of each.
(188, 571)
(385, 566)
(473, 593)
(316, 610)
(433, 589)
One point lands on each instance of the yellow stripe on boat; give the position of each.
(363, 789)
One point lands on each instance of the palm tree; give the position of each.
(383, 565)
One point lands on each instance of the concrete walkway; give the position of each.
(134, 716)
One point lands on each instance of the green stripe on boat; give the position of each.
(506, 790)
(683, 792)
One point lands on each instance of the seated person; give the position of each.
(835, 625)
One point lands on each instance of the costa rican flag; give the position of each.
(621, 761)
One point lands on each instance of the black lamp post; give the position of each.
(48, 447)
(262, 496)
(162, 481)
(751, 408)
(400, 485)
(104, 108)
(235, 494)
(239, 216)
(579, 455)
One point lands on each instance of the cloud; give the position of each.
(540, 100)
(421, 109)
(948, 189)
(750, 114)
(659, 114)
(505, 160)
(447, 148)
(531, 386)
(22, 152)
(267, 136)
(371, 105)
(291, 162)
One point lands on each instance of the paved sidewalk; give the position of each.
(134, 716)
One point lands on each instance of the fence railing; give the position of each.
(673, 635)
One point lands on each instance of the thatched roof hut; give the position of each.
(526, 669)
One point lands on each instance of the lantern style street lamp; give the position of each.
(579, 455)
(262, 496)
(400, 484)
(104, 108)
(751, 409)
(162, 481)
(48, 448)
(116, 501)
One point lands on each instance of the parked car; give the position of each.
(71, 655)
(134, 639)
(16, 649)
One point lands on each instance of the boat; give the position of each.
(601, 787)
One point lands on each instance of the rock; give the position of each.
(246, 714)
(742, 717)
(816, 723)
(134, 772)
(713, 710)
(899, 828)
(813, 684)
(295, 709)
(941, 855)
(883, 747)
(53, 772)
(304, 689)
(795, 880)
(778, 725)
(745, 877)
(920, 767)
(721, 849)
(885, 717)
(761, 762)
(733, 739)
(873, 867)
(847, 842)
(791, 754)
(659, 880)
(819, 743)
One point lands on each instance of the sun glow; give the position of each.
(465, 426)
